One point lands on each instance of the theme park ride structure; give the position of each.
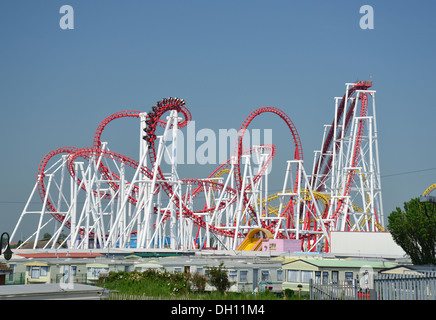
(107, 200)
(426, 197)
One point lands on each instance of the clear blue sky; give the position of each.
(225, 58)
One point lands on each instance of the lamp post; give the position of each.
(427, 199)
(8, 252)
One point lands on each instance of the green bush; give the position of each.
(217, 276)
(198, 281)
(155, 283)
(288, 293)
(149, 283)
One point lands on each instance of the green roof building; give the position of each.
(298, 273)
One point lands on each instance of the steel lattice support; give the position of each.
(349, 158)
(105, 199)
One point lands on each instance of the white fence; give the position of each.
(420, 286)
(344, 291)
(406, 286)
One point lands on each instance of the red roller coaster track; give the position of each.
(154, 119)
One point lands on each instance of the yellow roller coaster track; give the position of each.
(274, 209)
(429, 190)
(324, 198)
(325, 201)
(221, 173)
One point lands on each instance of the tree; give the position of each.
(217, 276)
(414, 230)
(46, 236)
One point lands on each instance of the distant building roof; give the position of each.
(410, 268)
(156, 254)
(40, 244)
(61, 255)
(345, 263)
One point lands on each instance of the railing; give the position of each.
(124, 296)
(345, 291)
(406, 286)
(418, 286)
(60, 278)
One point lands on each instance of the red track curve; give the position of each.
(153, 119)
(324, 162)
(298, 153)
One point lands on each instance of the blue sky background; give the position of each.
(225, 58)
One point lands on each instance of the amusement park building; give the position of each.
(404, 269)
(63, 270)
(299, 272)
(247, 271)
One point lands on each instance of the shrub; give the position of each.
(217, 276)
(198, 281)
(150, 282)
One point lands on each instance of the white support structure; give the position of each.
(115, 202)
(353, 181)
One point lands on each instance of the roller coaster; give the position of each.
(108, 200)
(426, 197)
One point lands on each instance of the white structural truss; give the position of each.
(346, 168)
(97, 198)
